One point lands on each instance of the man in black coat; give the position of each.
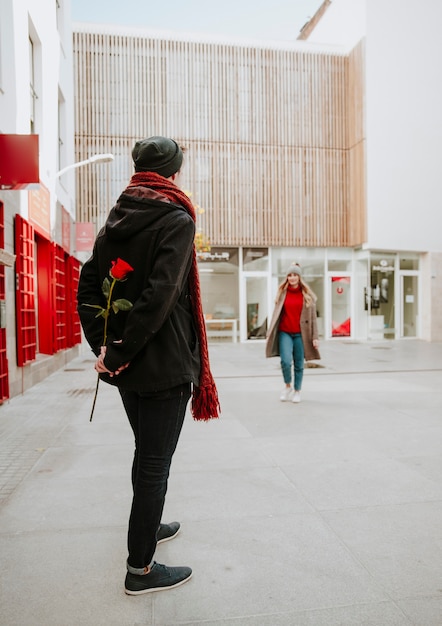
(140, 309)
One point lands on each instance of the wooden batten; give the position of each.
(274, 138)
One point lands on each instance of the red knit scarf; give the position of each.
(205, 403)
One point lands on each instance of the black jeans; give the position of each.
(156, 420)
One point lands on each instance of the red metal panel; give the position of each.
(26, 331)
(4, 366)
(59, 278)
(45, 295)
(74, 327)
(18, 160)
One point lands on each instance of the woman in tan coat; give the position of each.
(293, 331)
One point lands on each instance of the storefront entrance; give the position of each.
(254, 293)
(367, 295)
(392, 298)
(381, 297)
(255, 305)
(340, 298)
(409, 305)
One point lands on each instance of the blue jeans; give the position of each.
(156, 420)
(291, 350)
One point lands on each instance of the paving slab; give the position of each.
(324, 513)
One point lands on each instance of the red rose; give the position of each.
(120, 269)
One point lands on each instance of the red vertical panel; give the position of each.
(4, 367)
(45, 296)
(59, 302)
(73, 276)
(26, 334)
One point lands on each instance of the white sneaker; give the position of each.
(296, 397)
(286, 394)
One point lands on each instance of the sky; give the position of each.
(263, 20)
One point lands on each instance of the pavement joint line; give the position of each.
(328, 373)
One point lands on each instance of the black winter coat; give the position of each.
(157, 334)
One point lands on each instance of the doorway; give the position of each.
(339, 287)
(255, 287)
(409, 304)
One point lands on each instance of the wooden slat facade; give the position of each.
(274, 137)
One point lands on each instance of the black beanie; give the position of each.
(157, 154)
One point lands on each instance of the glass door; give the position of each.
(255, 312)
(340, 305)
(409, 305)
(381, 297)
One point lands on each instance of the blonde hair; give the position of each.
(309, 295)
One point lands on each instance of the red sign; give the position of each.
(85, 236)
(18, 160)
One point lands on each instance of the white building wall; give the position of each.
(403, 131)
(7, 67)
(50, 28)
(53, 54)
(403, 124)
(403, 103)
(65, 186)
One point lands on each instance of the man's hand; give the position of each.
(102, 369)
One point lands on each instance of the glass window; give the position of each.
(339, 265)
(218, 271)
(32, 86)
(311, 261)
(409, 262)
(255, 259)
(339, 260)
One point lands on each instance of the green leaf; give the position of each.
(94, 306)
(114, 307)
(106, 287)
(122, 304)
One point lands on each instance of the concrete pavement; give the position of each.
(324, 513)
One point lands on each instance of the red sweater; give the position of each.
(291, 312)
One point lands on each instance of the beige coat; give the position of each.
(309, 330)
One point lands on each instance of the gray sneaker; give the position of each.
(159, 578)
(167, 531)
